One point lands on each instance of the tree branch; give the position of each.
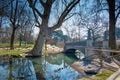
(33, 7)
(64, 14)
(36, 19)
(21, 11)
(69, 17)
(102, 10)
(117, 8)
(42, 3)
(15, 14)
(117, 15)
(34, 2)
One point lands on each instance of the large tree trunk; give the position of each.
(43, 25)
(12, 39)
(37, 50)
(112, 22)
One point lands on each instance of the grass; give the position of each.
(104, 75)
(16, 45)
(45, 52)
(19, 50)
(100, 76)
(16, 52)
(4, 44)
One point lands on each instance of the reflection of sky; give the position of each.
(3, 73)
(17, 69)
(53, 72)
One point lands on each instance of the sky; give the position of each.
(69, 23)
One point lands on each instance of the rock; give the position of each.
(91, 72)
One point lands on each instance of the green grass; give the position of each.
(20, 50)
(4, 44)
(16, 45)
(100, 76)
(16, 52)
(104, 75)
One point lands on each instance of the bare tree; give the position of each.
(26, 28)
(44, 18)
(113, 8)
(16, 11)
(113, 15)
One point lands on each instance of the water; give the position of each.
(17, 69)
(51, 67)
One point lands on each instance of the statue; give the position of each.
(105, 36)
(89, 34)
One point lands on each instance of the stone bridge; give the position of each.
(75, 46)
(86, 46)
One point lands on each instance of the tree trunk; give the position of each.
(112, 22)
(12, 39)
(37, 50)
(20, 40)
(47, 6)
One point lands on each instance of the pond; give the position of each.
(51, 67)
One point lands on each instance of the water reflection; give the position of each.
(51, 67)
(57, 67)
(17, 69)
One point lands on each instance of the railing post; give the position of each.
(101, 59)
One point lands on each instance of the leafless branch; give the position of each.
(42, 3)
(64, 14)
(36, 19)
(34, 8)
(7, 4)
(21, 11)
(102, 10)
(72, 14)
(15, 13)
(117, 15)
(117, 8)
(34, 2)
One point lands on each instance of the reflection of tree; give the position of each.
(70, 58)
(26, 70)
(21, 69)
(58, 59)
(39, 68)
(58, 65)
(10, 69)
(53, 59)
(51, 67)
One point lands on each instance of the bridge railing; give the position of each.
(101, 55)
(112, 58)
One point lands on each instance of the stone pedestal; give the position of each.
(89, 50)
(106, 47)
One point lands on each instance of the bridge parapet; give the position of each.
(86, 47)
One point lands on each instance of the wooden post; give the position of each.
(101, 58)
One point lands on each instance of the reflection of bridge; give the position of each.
(86, 46)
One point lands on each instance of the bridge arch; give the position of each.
(76, 52)
(76, 46)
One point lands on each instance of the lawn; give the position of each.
(15, 52)
(16, 45)
(100, 76)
